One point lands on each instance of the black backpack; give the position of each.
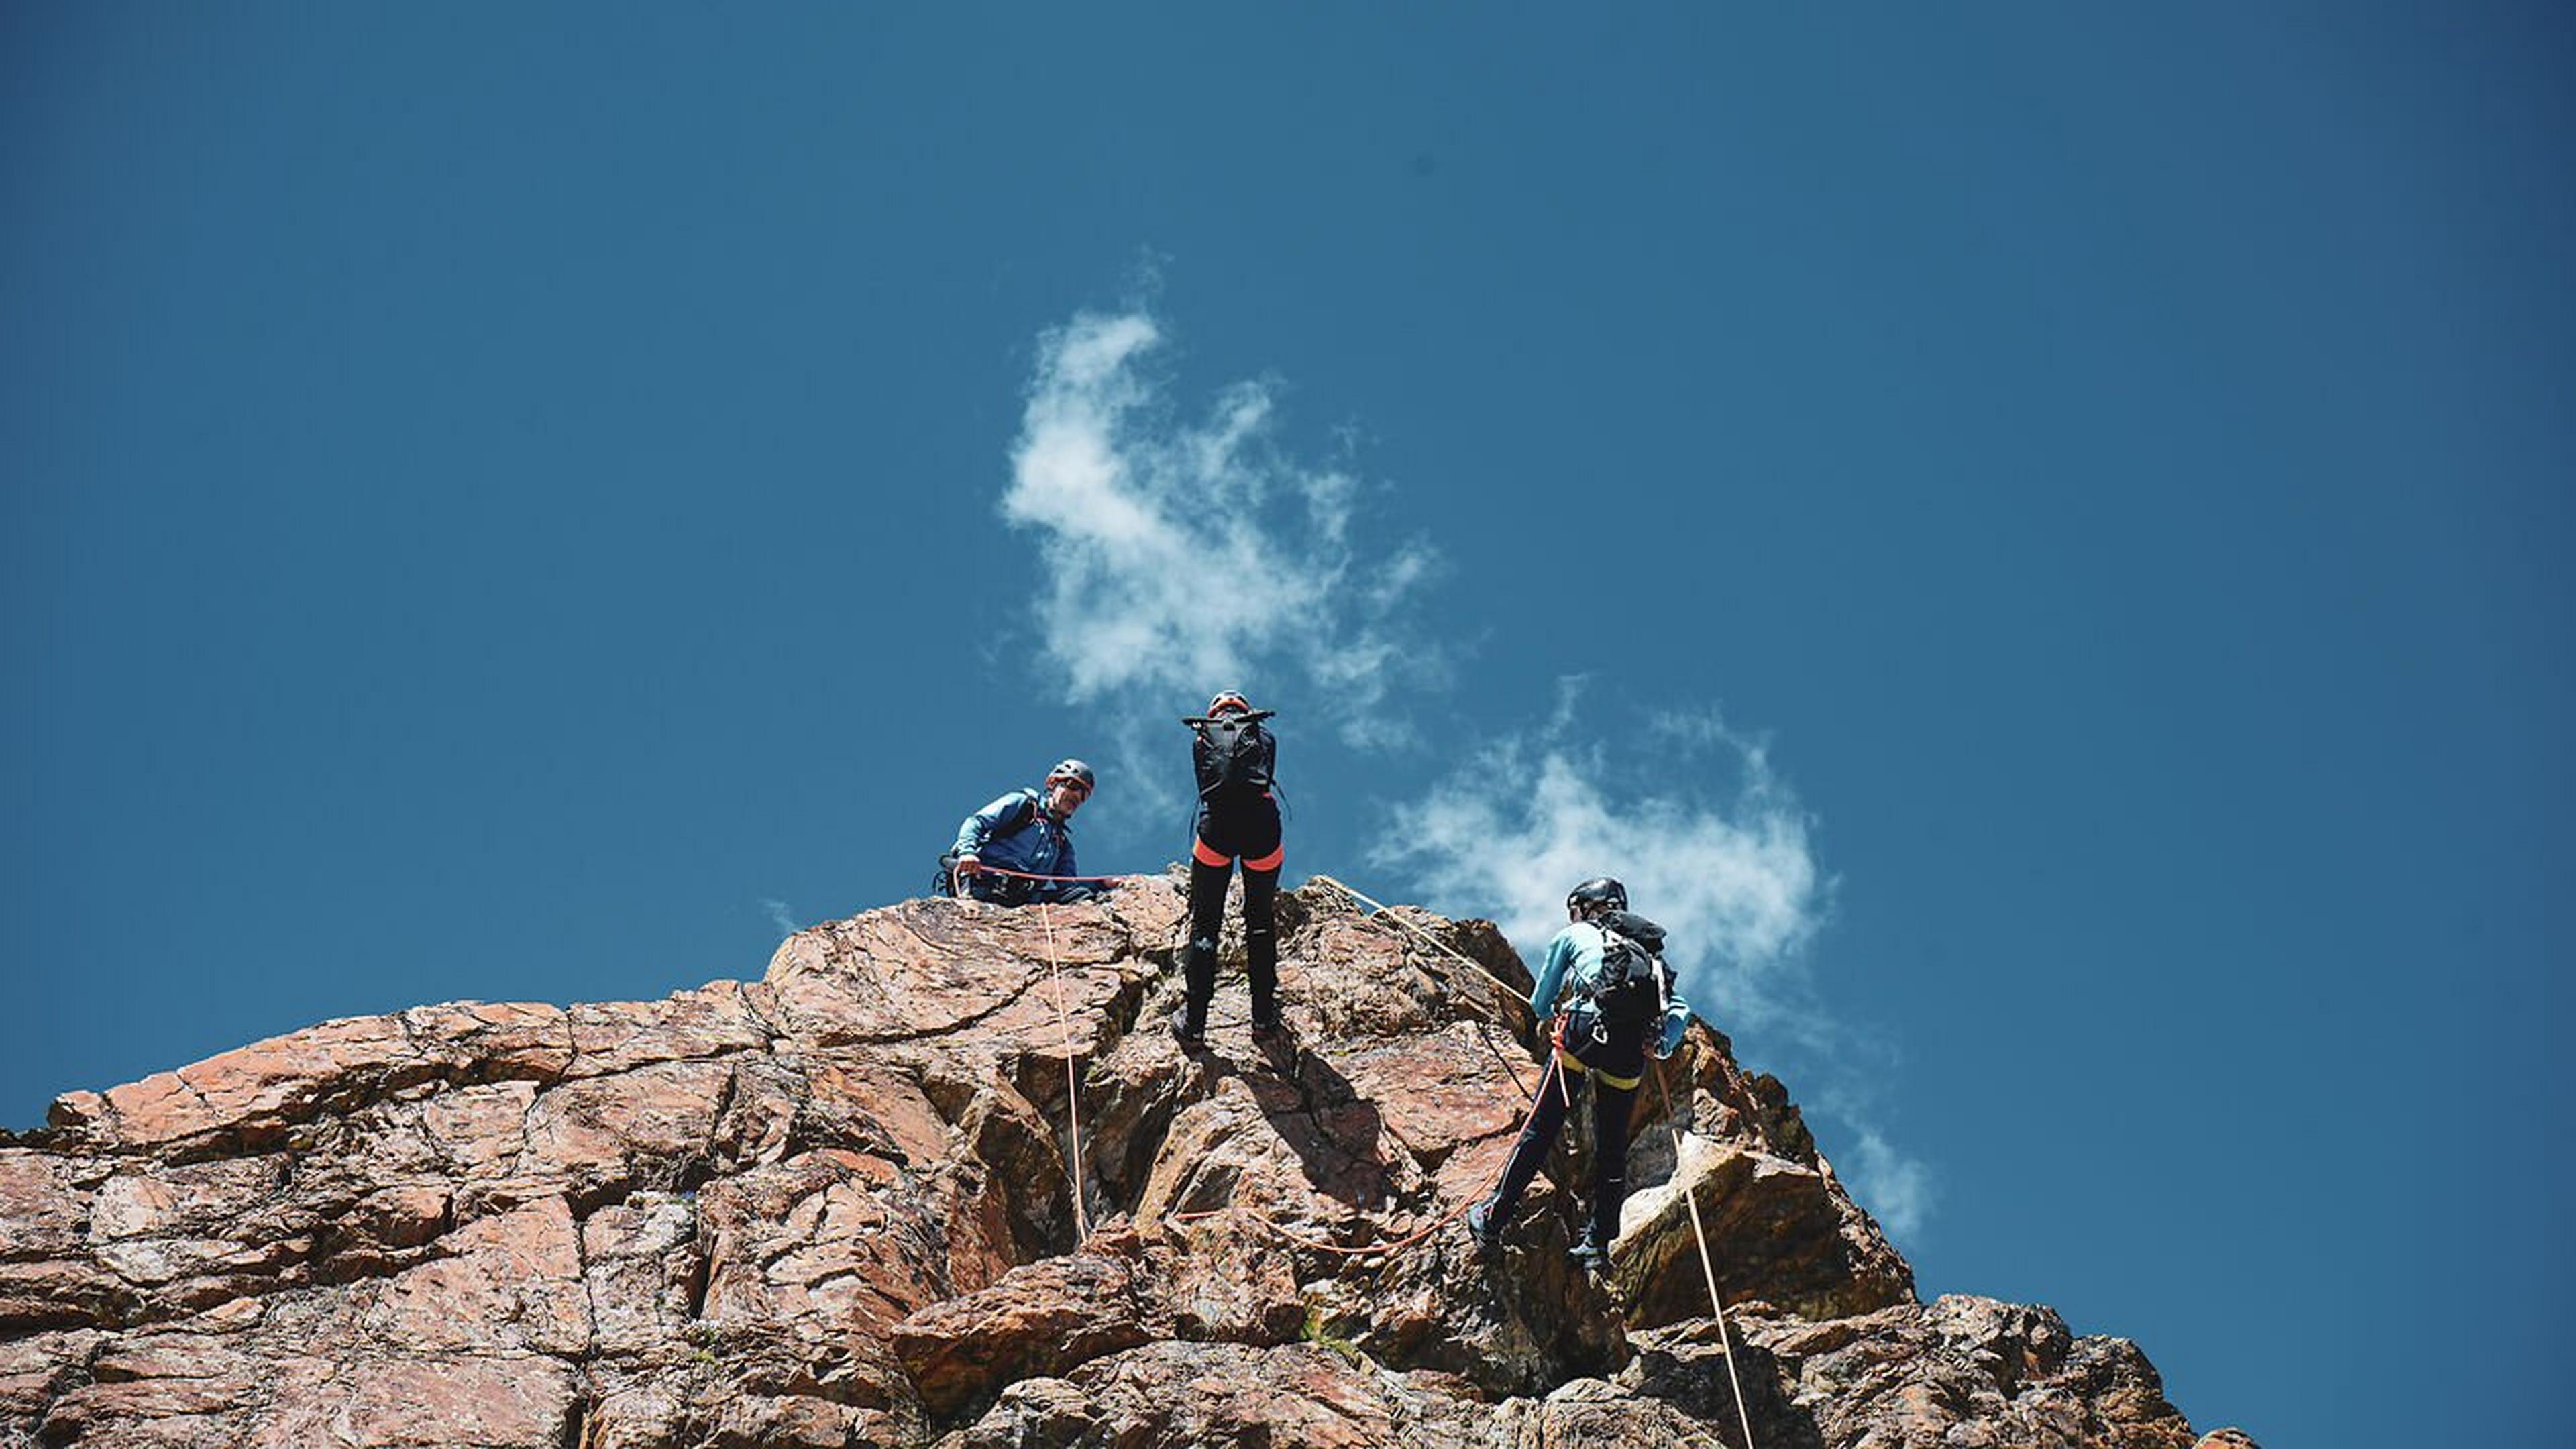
(1619, 1013)
(945, 883)
(1234, 754)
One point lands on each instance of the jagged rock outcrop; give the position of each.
(837, 1207)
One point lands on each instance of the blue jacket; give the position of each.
(1573, 959)
(1043, 847)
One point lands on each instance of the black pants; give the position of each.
(1248, 833)
(1611, 1107)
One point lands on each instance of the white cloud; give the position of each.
(1182, 557)
(1716, 852)
(780, 916)
(1897, 1189)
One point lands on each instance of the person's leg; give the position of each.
(1198, 957)
(1253, 831)
(1538, 1134)
(1261, 943)
(1611, 1109)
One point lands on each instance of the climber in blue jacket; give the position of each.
(1611, 998)
(1022, 835)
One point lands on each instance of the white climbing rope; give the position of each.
(1072, 1083)
(1707, 1268)
(1699, 1231)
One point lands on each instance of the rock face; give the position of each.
(838, 1207)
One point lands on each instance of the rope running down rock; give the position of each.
(1073, 1111)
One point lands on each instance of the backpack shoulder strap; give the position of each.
(1020, 819)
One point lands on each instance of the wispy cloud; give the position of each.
(1186, 555)
(780, 915)
(1715, 849)
(1897, 1189)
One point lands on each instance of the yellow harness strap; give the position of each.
(1625, 1084)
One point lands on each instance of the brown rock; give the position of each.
(1205, 1394)
(839, 1207)
(511, 1283)
(45, 1215)
(1122, 1290)
(60, 1294)
(420, 1402)
(1776, 1233)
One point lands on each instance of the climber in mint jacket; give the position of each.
(1610, 999)
(1573, 967)
(1022, 835)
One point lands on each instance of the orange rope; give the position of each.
(983, 869)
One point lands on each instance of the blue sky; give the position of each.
(2031, 535)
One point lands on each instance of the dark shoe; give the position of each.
(1191, 1038)
(1590, 1252)
(1267, 1031)
(1481, 1227)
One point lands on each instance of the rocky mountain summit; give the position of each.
(839, 1206)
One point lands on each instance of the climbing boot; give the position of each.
(1591, 1251)
(1481, 1226)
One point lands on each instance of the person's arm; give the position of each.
(1677, 1015)
(1551, 974)
(978, 828)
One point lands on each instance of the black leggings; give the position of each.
(1249, 835)
(1611, 1107)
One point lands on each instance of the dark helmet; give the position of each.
(1600, 891)
(1074, 770)
(1227, 699)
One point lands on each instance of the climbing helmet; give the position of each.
(1600, 892)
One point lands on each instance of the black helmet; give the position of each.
(1074, 770)
(1602, 891)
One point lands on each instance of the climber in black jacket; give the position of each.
(1238, 820)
